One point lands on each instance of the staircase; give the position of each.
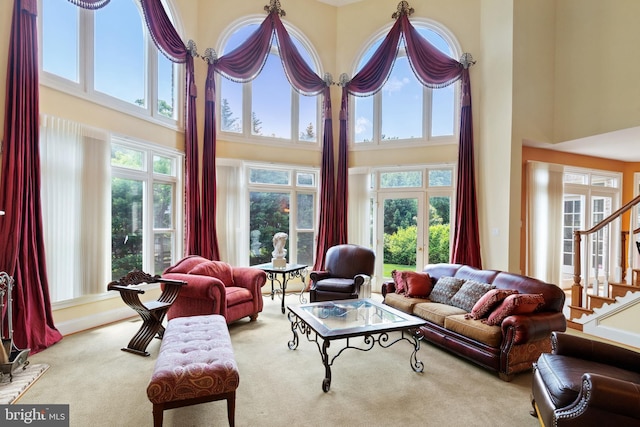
(595, 294)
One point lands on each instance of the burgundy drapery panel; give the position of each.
(243, 64)
(433, 69)
(21, 231)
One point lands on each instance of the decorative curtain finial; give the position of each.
(344, 79)
(403, 9)
(467, 60)
(192, 48)
(274, 6)
(210, 55)
(328, 79)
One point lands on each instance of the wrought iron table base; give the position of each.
(282, 288)
(370, 339)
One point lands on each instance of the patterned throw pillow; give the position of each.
(399, 281)
(514, 304)
(488, 302)
(444, 289)
(419, 285)
(470, 292)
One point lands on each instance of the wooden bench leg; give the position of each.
(157, 415)
(231, 409)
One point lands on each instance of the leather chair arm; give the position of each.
(319, 275)
(600, 394)
(388, 287)
(587, 349)
(523, 328)
(250, 278)
(359, 280)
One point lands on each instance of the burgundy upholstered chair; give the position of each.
(346, 268)
(215, 287)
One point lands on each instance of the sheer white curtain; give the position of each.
(544, 219)
(231, 215)
(359, 207)
(76, 207)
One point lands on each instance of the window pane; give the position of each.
(271, 101)
(60, 39)
(269, 214)
(439, 228)
(162, 205)
(363, 113)
(126, 226)
(402, 103)
(162, 244)
(305, 179)
(305, 248)
(164, 165)
(604, 181)
(575, 178)
(307, 121)
(166, 87)
(119, 57)
(442, 111)
(305, 213)
(127, 157)
(230, 106)
(401, 179)
(440, 178)
(268, 176)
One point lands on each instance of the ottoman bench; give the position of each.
(195, 364)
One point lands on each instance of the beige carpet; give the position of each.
(105, 386)
(12, 388)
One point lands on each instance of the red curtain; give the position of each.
(244, 64)
(433, 69)
(21, 231)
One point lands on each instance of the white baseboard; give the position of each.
(95, 320)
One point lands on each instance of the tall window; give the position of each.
(404, 111)
(268, 108)
(589, 197)
(145, 208)
(108, 55)
(282, 200)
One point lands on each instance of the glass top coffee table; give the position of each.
(363, 320)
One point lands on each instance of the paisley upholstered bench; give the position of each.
(195, 364)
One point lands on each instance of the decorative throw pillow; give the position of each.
(399, 281)
(470, 292)
(514, 304)
(218, 269)
(419, 285)
(488, 302)
(444, 289)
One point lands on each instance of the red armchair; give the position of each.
(215, 287)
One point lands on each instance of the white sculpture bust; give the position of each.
(279, 252)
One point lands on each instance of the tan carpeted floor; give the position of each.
(280, 387)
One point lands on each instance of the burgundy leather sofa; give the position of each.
(584, 382)
(215, 287)
(509, 348)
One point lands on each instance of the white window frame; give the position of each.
(84, 88)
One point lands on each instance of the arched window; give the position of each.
(108, 56)
(404, 111)
(267, 107)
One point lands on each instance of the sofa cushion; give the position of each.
(435, 312)
(474, 329)
(470, 292)
(218, 269)
(399, 281)
(402, 302)
(488, 302)
(444, 289)
(515, 304)
(418, 285)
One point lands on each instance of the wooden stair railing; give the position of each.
(579, 305)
